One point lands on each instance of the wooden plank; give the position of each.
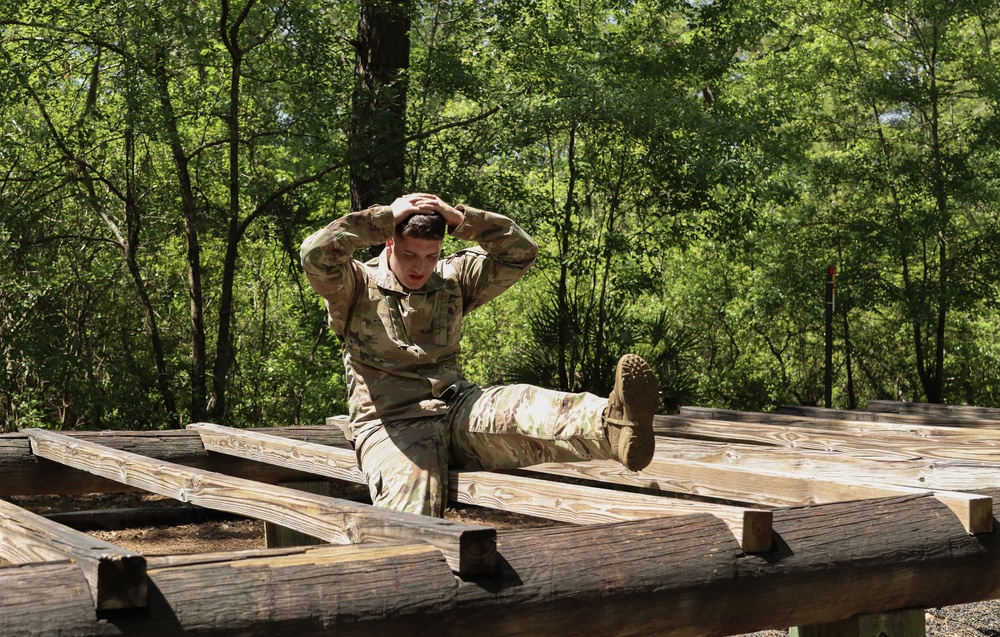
(953, 444)
(819, 417)
(26, 474)
(886, 417)
(469, 549)
(117, 578)
(959, 412)
(579, 504)
(542, 498)
(309, 457)
(765, 487)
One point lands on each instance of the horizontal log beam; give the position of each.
(579, 504)
(674, 577)
(763, 486)
(859, 422)
(531, 496)
(469, 549)
(960, 412)
(117, 577)
(26, 474)
(894, 443)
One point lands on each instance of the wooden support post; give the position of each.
(469, 549)
(117, 577)
(531, 496)
(901, 623)
(277, 536)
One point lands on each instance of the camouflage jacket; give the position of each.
(401, 347)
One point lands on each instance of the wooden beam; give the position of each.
(891, 444)
(117, 578)
(876, 467)
(578, 504)
(531, 496)
(308, 457)
(943, 429)
(960, 412)
(26, 474)
(676, 577)
(469, 549)
(848, 420)
(764, 486)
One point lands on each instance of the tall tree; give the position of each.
(378, 127)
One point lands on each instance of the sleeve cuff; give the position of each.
(471, 226)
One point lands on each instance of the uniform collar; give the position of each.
(385, 279)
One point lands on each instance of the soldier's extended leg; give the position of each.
(506, 427)
(405, 464)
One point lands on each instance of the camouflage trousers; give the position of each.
(406, 462)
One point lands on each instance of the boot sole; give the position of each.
(640, 394)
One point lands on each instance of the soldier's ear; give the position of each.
(388, 243)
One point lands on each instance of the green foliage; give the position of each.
(689, 169)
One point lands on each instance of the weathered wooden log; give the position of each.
(971, 432)
(960, 412)
(953, 444)
(26, 474)
(680, 576)
(591, 505)
(468, 548)
(117, 577)
(519, 494)
(817, 417)
(47, 598)
(864, 422)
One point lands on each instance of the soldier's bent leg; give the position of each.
(505, 427)
(405, 464)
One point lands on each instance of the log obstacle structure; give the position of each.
(824, 520)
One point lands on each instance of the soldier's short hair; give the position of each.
(421, 226)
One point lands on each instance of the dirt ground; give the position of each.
(967, 620)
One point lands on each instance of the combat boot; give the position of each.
(628, 418)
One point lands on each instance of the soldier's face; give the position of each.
(412, 259)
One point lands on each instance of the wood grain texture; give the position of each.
(117, 578)
(591, 505)
(961, 412)
(804, 434)
(26, 474)
(773, 486)
(674, 577)
(469, 549)
(530, 496)
(813, 418)
(48, 599)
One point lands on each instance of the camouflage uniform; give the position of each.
(412, 412)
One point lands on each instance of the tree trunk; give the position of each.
(377, 136)
(562, 302)
(189, 210)
(224, 346)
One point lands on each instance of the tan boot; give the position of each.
(628, 418)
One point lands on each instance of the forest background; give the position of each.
(690, 170)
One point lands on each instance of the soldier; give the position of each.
(412, 413)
